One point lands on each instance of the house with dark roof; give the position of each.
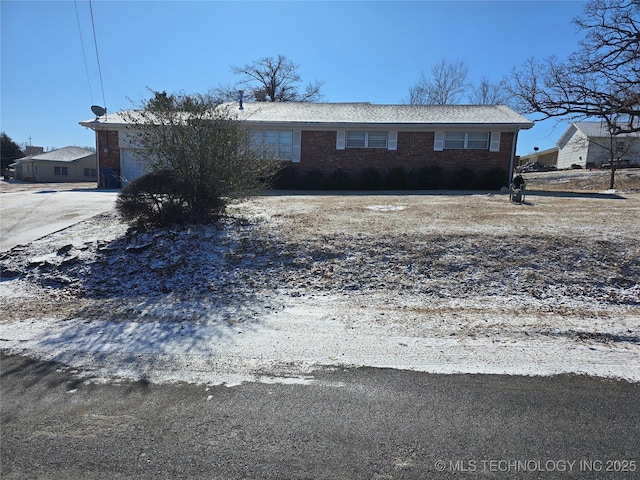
(589, 145)
(68, 164)
(324, 138)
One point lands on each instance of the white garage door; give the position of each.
(130, 166)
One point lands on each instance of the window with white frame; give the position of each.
(60, 170)
(273, 143)
(367, 139)
(466, 140)
(90, 172)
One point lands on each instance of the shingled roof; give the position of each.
(599, 129)
(368, 113)
(357, 114)
(66, 154)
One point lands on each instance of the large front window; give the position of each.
(367, 139)
(466, 140)
(273, 143)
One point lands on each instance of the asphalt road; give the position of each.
(350, 424)
(32, 211)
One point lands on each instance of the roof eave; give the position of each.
(408, 126)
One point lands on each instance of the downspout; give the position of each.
(513, 156)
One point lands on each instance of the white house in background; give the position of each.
(68, 164)
(588, 144)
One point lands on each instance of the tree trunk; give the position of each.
(612, 180)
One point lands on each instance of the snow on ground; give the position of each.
(291, 284)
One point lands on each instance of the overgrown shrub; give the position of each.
(397, 179)
(313, 180)
(286, 179)
(370, 179)
(162, 198)
(338, 180)
(427, 178)
(202, 156)
(493, 179)
(463, 179)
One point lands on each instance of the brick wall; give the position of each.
(415, 150)
(109, 158)
(108, 139)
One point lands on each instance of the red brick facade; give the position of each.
(415, 150)
(108, 158)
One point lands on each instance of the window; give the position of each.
(60, 170)
(466, 140)
(356, 139)
(90, 172)
(367, 139)
(273, 143)
(454, 140)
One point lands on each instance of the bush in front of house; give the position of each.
(493, 179)
(313, 180)
(163, 198)
(338, 180)
(397, 179)
(463, 179)
(427, 178)
(370, 179)
(286, 179)
(200, 156)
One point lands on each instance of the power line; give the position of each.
(95, 42)
(84, 56)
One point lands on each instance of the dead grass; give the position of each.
(442, 253)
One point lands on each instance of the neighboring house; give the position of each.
(589, 145)
(325, 137)
(69, 164)
(547, 157)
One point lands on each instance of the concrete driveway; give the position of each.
(31, 211)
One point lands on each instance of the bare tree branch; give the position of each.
(276, 80)
(600, 80)
(487, 93)
(445, 86)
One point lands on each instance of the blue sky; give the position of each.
(362, 51)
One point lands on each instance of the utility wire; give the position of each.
(84, 56)
(95, 42)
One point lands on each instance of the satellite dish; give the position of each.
(98, 110)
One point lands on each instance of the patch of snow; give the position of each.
(387, 208)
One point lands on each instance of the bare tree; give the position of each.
(226, 93)
(600, 80)
(612, 42)
(276, 80)
(445, 86)
(487, 93)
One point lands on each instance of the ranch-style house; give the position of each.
(349, 137)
